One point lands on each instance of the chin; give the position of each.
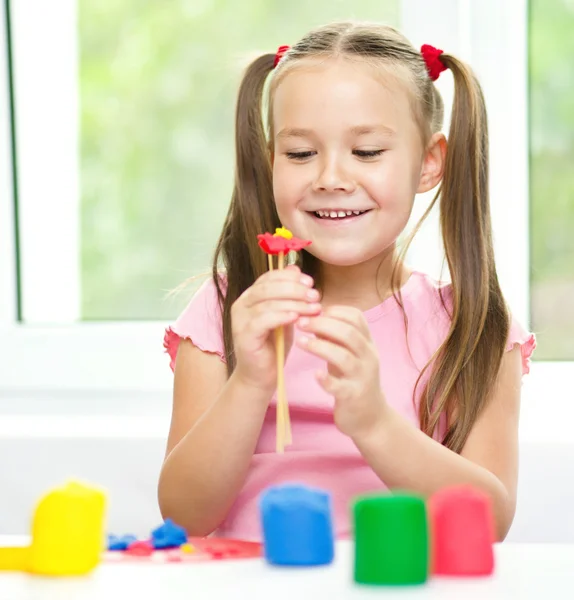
(341, 259)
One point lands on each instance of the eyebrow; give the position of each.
(356, 130)
(366, 129)
(293, 132)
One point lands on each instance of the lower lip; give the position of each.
(338, 222)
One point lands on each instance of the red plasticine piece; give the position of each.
(462, 532)
(140, 548)
(173, 555)
(204, 549)
(219, 548)
(274, 244)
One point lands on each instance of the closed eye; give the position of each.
(300, 155)
(367, 153)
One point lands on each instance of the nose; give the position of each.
(334, 178)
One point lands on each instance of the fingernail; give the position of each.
(306, 280)
(303, 322)
(303, 340)
(313, 294)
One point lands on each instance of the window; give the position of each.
(122, 149)
(142, 120)
(551, 97)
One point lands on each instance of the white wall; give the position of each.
(127, 468)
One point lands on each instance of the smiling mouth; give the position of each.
(338, 214)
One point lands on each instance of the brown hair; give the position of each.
(464, 368)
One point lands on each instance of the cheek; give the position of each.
(284, 196)
(280, 190)
(287, 186)
(395, 184)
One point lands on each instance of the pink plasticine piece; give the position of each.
(462, 532)
(140, 548)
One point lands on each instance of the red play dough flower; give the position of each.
(274, 244)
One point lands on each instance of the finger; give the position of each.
(280, 290)
(288, 336)
(300, 307)
(288, 268)
(288, 274)
(350, 315)
(335, 354)
(331, 384)
(335, 330)
(264, 323)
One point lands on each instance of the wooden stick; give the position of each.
(283, 432)
(281, 370)
(280, 413)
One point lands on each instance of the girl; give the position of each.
(394, 380)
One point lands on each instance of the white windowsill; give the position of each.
(545, 417)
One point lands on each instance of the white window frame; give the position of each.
(8, 304)
(53, 351)
(86, 358)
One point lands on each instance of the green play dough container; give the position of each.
(391, 540)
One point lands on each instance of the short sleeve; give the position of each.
(526, 340)
(199, 322)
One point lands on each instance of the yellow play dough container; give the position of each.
(68, 531)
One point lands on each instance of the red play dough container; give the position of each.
(462, 532)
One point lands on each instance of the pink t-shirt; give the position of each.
(321, 455)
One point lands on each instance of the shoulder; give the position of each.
(430, 302)
(426, 297)
(200, 321)
(204, 302)
(519, 336)
(427, 304)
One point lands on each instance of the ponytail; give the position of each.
(467, 364)
(252, 209)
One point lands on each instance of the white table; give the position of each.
(537, 571)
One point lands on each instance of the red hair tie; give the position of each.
(431, 56)
(279, 55)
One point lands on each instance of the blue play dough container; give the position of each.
(297, 526)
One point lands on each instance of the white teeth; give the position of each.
(337, 214)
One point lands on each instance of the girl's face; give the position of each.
(347, 159)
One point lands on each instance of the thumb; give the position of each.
(293, 268)
(288, 339)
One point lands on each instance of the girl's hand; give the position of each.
(276, 298)
(342, 338)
